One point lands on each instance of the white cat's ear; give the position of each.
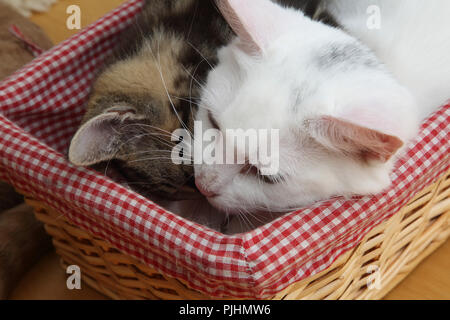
(256, 22)
(98, 139)
(354, 140)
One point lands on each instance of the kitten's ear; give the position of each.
(99, 139)
(257, 22)
(352, 139)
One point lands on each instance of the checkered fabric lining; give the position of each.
(40, 109)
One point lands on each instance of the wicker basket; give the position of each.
(392, 250)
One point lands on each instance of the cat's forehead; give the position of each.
(344, 54)
(154, 70)
(142, 104)
(303, 75)
(254, 109)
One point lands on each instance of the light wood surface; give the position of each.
(54, 21)
(430, 280)
(47, 281)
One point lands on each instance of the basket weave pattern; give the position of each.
(393, 249)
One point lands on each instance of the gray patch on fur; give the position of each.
(300, 94)
(346, 55)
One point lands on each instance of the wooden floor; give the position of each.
(430, 280)
(54, 21)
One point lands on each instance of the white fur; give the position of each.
(247, 91)
(413, 42)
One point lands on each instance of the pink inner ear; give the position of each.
(256, 22)
(234, 18)
(365, 143)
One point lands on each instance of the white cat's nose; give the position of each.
(211, 180)
(204, 190)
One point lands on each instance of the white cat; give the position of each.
(344, 107)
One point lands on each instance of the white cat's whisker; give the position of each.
(168, 94)
(200, 53)
(148, 126)
(118, 150)
(188, 161)
(198, 82)
(149, 152)
(187, 100)
(165, 86)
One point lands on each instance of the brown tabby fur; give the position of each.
(22, 238)
(152, 72)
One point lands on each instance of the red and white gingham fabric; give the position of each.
(40, 109)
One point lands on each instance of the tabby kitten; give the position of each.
(149, 89)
